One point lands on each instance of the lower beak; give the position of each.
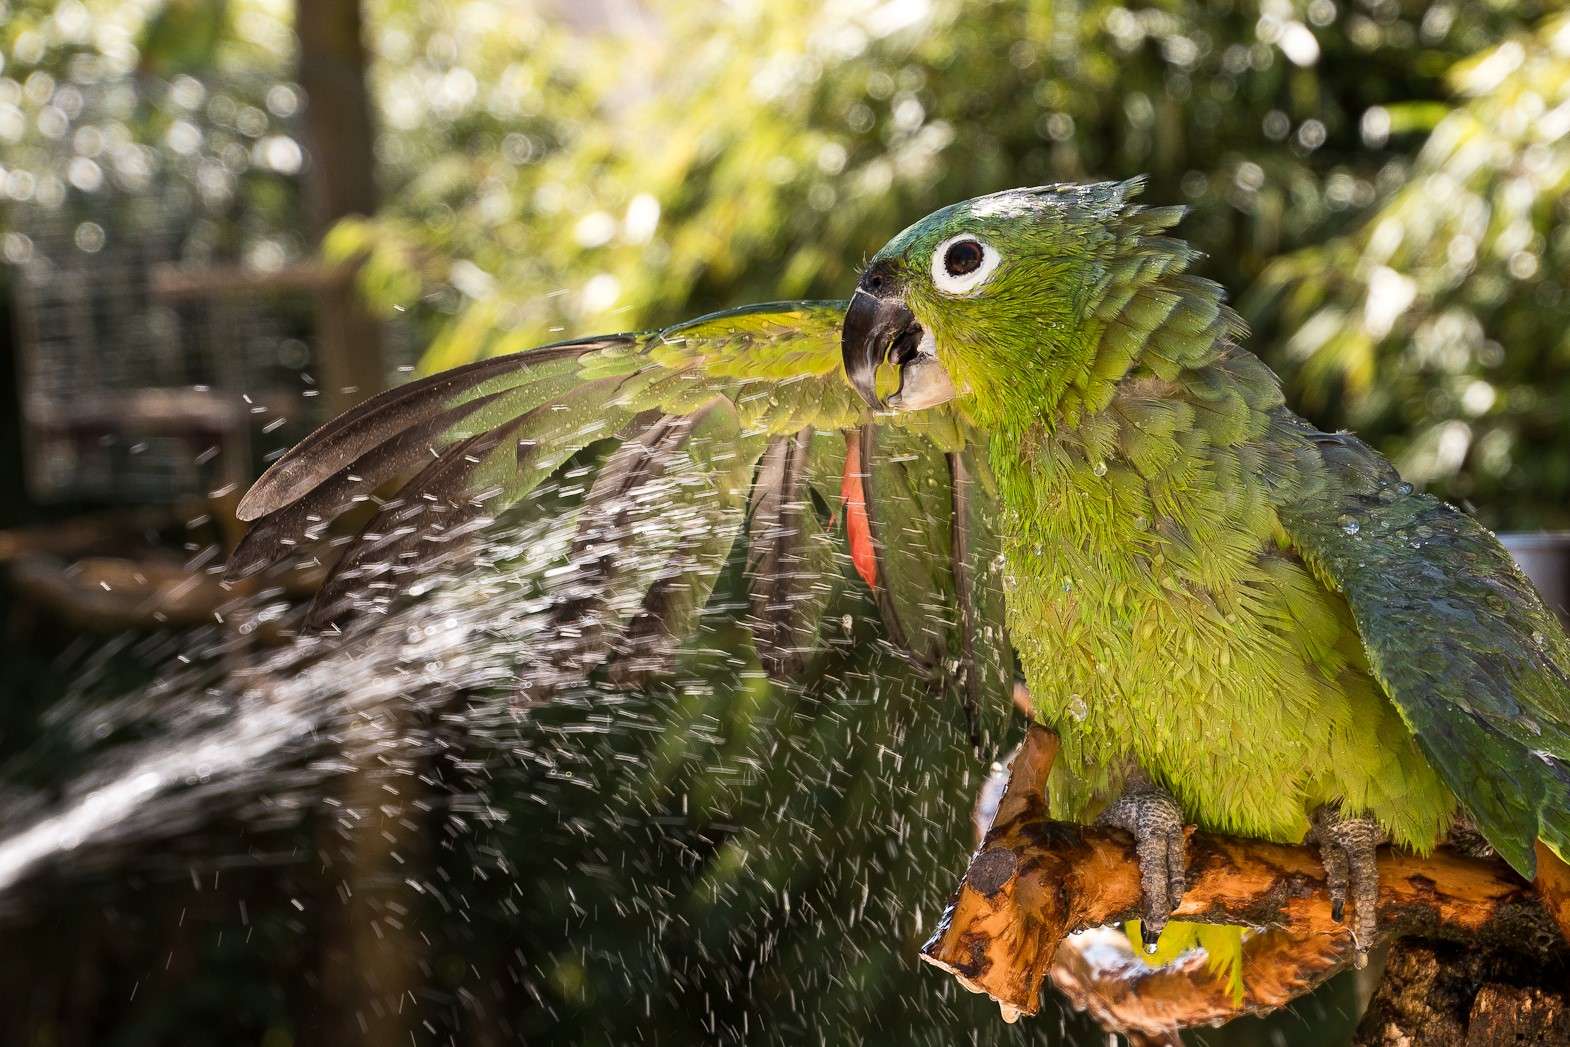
(876, 331)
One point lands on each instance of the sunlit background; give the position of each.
(220, 220)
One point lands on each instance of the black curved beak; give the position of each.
(877, 330)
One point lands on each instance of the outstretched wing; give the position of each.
(733, 432)
(1477, 665)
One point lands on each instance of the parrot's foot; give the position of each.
(1150, 814)
(1346, 847)
(1464, 837)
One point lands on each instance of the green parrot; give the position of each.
(1047, 452)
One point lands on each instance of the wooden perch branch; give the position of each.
(1033, 881)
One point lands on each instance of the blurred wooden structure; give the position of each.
(149, 379)
(149, 382)
(144, 380)
(143, 384)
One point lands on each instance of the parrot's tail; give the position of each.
(1222, 943)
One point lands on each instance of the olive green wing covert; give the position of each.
(1457, 636)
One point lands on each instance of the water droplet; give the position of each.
(1538, 639)
(847, 623)
(1068, 584)
(1077, 708)
(1100, 468)
(1403, 488)
(1349, 523)
(1423, 531)
(1150, 948)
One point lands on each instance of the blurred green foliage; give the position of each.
(685, 162)
(557, 171)
(1440, 325)
(123, 118)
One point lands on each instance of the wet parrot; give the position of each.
(1036, 438)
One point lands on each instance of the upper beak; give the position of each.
(876, 330)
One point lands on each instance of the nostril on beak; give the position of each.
(878, 280)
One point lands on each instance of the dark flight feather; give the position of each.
(284, 531)
(883, 591)
(1458, 637)
(583, 623)
(777, 522)
(345, 438)
(423, 520)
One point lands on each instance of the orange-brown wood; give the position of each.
(1100, 974)
(1553, 887)
(1033, 881)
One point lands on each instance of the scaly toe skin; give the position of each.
(1464, 837)
(1346, 847)
(1150, 814)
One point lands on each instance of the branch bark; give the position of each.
(1446, 993)
(1034, 881)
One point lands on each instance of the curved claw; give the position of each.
(1150, 814)
(1346, 847)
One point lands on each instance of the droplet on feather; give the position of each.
(1349, 523)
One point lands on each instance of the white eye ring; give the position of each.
(963, 283)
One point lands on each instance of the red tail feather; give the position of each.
(858, 529)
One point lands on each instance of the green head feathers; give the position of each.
(993, 300)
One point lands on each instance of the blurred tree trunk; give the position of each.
(371, 951)
(342, 139)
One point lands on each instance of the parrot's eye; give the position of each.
(962, 263)
(961, 258)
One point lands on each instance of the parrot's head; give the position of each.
(987, 300)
